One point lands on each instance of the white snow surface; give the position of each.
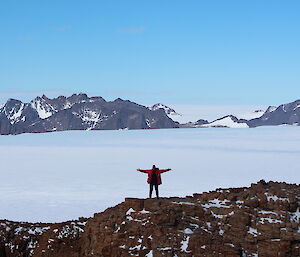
(150, 254)
(15, 114)
(253, 231)
(192, 113)
(60, 176)
(43, 109)
(226, 122)
(167, 109)
(185, 244)
(271, 108)
(251, 115)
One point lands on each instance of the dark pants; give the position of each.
(151, 189)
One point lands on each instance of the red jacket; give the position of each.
(158, 172)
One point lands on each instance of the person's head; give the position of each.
(154, 167)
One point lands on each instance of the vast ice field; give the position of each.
(61, 176)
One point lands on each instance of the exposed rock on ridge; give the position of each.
(78, 112)
(228, 121)
(262, 220)
(285, 114)
(167, 109)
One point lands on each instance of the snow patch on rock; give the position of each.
(15, 114)
(226, 122)
(43, 109)
(167, 109)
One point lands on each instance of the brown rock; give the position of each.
(227, 222)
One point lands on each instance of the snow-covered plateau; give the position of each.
(192, 113)
(64, 175)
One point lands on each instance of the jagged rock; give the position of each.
(167, 109)
(78, 112)
(262, 220)
(228, 121)
(201, 122)
(285, 114)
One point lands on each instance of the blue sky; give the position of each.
(171, 51)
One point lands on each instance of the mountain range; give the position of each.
(80, 112)
(285, 114)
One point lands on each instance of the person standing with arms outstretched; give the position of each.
(154, 178)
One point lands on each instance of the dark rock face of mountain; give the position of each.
(262, 220)
(285, 114)
(201, 122)
(78, 112)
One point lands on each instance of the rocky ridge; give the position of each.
(262, 220)
(228, 121)
(78, 112)
(285, 114)
(167, 109)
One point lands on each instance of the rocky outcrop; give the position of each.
(201, 122)
(285, 114)
(40, 239)
(262, 220)
(78, 112)
(228, 121)
(167, 109)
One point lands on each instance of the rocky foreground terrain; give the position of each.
(262, 220)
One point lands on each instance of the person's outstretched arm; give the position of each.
(162, 171)
(144, 171)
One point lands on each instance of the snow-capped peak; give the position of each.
(226, 122)
(13, 110)
(168, 110)
(44, 109)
